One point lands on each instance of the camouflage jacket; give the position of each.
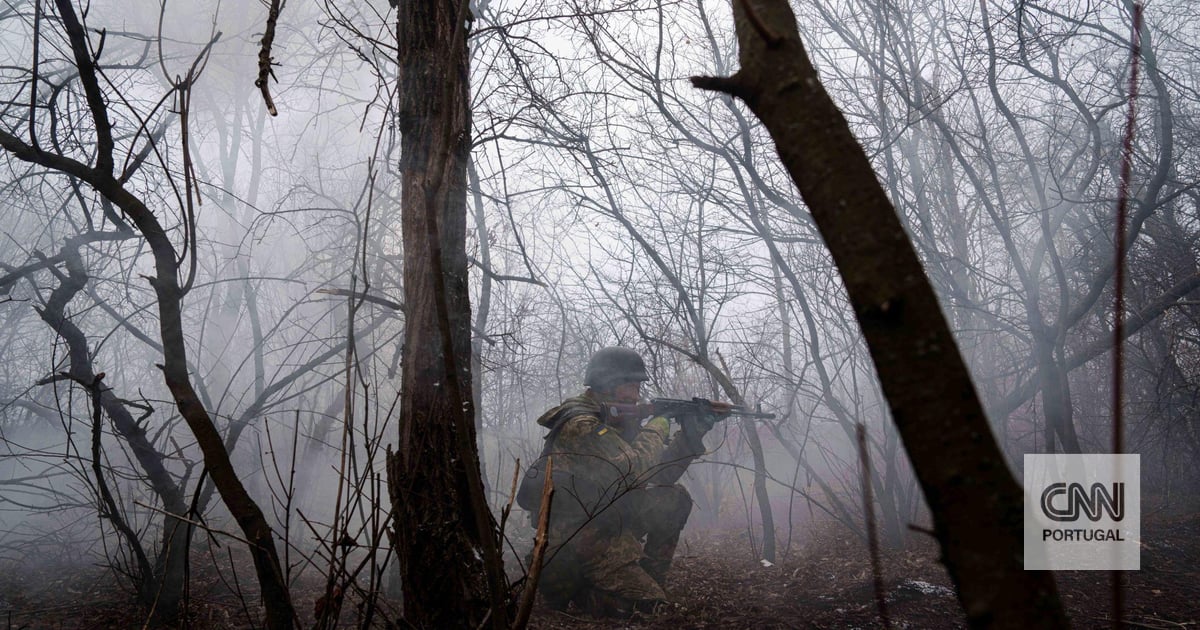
(594, 464)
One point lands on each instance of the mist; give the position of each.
(608, 202)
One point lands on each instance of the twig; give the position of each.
(501, 277)
(33, 84)
(199, 524)
(360, 295)
(923, 530)
(1139, 624)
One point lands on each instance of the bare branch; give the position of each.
(265, 73)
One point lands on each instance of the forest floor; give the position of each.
(829, 584)
(715, 583)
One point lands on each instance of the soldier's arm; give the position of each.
(675, 459)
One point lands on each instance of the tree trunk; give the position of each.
(446, 539)
(1056, 401)
(750, 429)
(976, 504)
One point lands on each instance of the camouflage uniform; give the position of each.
(606, 501)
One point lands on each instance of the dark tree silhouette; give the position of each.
(975, 502)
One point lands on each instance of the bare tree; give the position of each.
(171, 282)
(975, 502)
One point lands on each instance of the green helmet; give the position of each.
(612, 366)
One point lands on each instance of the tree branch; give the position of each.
(264, 56)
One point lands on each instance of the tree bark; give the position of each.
(976, 504)
(446, 539)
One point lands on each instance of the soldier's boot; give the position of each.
(657, 568)
(659, 553)
(663, 526)
(555, 599)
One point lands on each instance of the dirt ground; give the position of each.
(715, 583)
(829, 585)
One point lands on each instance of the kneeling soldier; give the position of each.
(615, 486)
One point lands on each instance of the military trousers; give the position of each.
(615, 562)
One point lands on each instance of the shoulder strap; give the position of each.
(564, 415)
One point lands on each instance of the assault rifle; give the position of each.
(626, 418)
(679, 408)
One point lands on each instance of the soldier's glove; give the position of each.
(695, 427)
(660, 425)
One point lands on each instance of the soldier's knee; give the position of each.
(662, 506)
(673, 496)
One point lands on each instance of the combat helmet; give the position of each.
(614, 365)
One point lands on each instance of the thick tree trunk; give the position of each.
(446, 540)
(976, 504)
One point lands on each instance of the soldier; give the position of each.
(614, 486)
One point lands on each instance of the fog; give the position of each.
(609, 203)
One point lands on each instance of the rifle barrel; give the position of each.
(703, 404)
